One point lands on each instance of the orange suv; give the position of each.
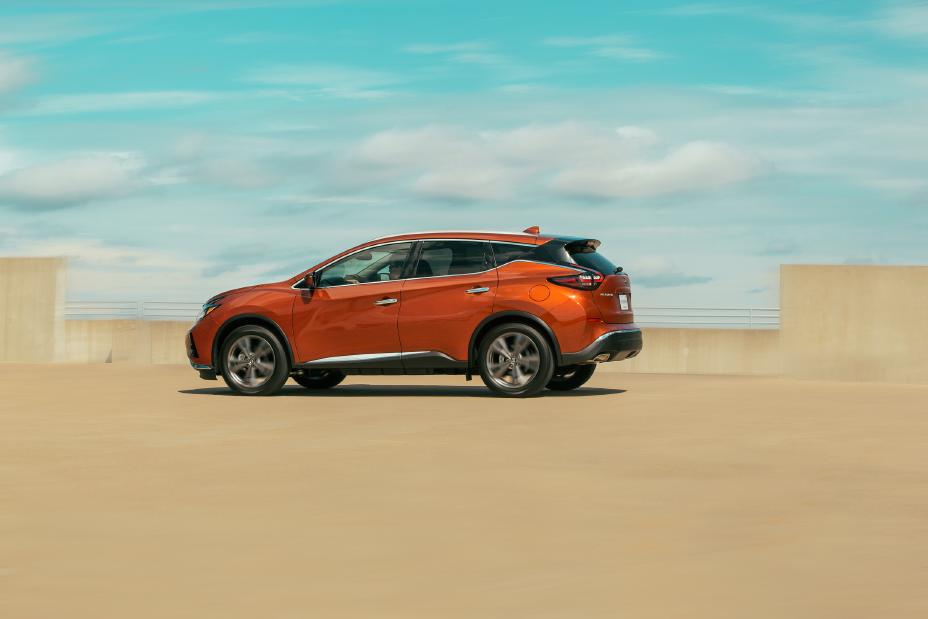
(526, 311)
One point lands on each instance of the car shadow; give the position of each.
(366, 391)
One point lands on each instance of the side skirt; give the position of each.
(418, 363)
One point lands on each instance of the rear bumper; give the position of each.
(618, 345)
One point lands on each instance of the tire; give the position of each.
(571, 377)
(319, 379)
(520, 376)
(253, 361)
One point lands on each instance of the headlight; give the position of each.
(207, 308)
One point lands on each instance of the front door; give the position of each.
(451, 290)
(354, 308)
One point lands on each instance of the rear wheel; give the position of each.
(319, 379)
(254, 361)
(571, 377)
(515, 360)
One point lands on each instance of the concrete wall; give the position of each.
(860, 323)
(705, 351)
(855, 323)
(678, 351)
(125, 341)
(32, 296)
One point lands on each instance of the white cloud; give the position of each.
(633, 54)
(96, 253)
(570, 158)
(9, 160)
(233, 172)
(71, 181)
(694, 166)
(450, 48)
(598, 41)
(333, 80)
(49, 29)
(484, 58)
(477, 53)
(256, 38)
(662, 272)
(906, 20)
(641, 135)
(118, 101)
(618, 47)
(467, 183)
(313, 200)
(231, 160)
(445, 162)
(15, 72)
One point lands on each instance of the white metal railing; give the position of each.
(683, 317)
(131, 310)
(709, 317)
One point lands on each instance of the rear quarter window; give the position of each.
(507, 252)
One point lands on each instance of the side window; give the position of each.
(378, 264)
(507, 252)
(452, 258)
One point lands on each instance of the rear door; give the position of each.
(451, 290)
(614, 296)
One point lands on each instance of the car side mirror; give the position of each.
(309, 281)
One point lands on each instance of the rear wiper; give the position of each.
(617, 270)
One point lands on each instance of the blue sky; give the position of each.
(174, 149)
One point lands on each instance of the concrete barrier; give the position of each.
(32, 297)
(855, 323)
(125, 341)
(676, 351)
(859, 323)
(752, 352)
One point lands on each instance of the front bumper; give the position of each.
(612, 346)
(206, 371)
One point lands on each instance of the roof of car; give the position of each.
(513, 237)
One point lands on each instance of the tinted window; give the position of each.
(452, 258)
(589, 258)
(378, 264)
(507, 252)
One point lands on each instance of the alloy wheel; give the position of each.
(513, 360)
(251, 361)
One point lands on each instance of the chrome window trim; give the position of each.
(511, 242)
(578, 268)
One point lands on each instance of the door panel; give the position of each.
(438, 314)
(347, 320)
(453, 289)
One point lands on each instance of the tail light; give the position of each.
(587, 280)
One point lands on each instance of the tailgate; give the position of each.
(614, 299)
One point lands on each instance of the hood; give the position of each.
(222, 295)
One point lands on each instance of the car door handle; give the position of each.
(479, 290)
(388, 301)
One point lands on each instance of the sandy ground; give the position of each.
(145, 492)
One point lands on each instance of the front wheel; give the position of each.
(319, 379)
(571, 377)
(515, 360)
(254, 361)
